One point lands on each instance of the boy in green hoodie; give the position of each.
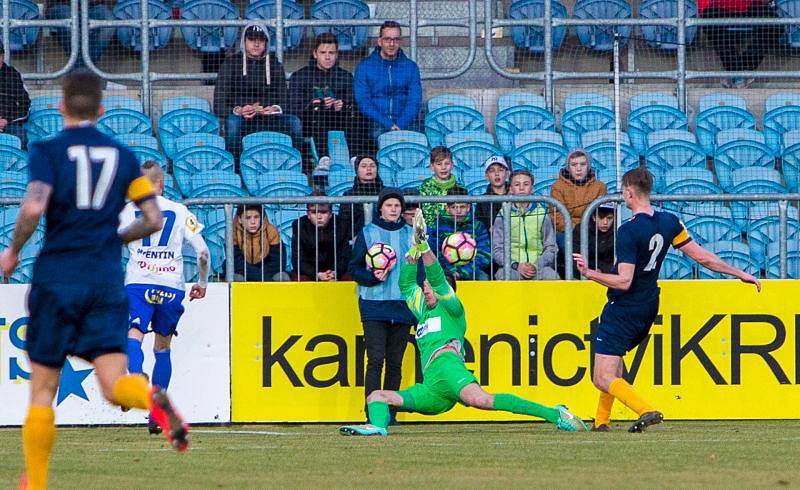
(439, 183)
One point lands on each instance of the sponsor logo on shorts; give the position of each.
(159, 296)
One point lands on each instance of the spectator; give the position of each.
(601, 240)
(251, 93)
(366, 183)
(458, 218)
(533, 241)
(576, 187)
(384, 314)
(320, 247)
(740, 47)
(98, 38)
(439, 183)
(258, 253)
(496, 169)
(411, 208)
(322, 94)
(388, 86)
(14, 100)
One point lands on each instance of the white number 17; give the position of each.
(83, 156)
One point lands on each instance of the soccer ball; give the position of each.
(459, 248)
(380, 256)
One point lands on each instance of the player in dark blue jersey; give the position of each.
(79, 180)
(633, 293)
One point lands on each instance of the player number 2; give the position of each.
(83, 156)
(656, 244)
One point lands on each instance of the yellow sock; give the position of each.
(132, 391)
(604, 409)
(38, 435)
(620, 389)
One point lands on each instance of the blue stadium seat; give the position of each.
(338, 150)
(688, 181)
(13, 183)
(782, 115)
(587, 99)
(450, 100)
(144, 153)
(753, 180)
(790, 8)
(214, 234)
(537, 136)
(267, 158)
(709, 229)
(42, 124)
(112, 102)
(265, 138)
(340, 180)
(190, 271)
(468, 136)
(739, 154)
(538, 154)
(543, 180)
(192, 140)
(608, 176)
(601, 38)
(124, 121)
(711, 121)
(210, 39)
(735, 253)
(176, 123)
(604, 156)
(676, 266)
(184, 102)
(403, 156)
(773, 260)
(763, 231)
(10, 140)
(281, 183)
(604, 136)
(171, 191)
(349, 37)
(666, 37)
(790, 161)
(265, 9)
(130, 37)
(192, 161)
(215, 183)
(144, 140)
(24, 271)
(472, 154)
(720, 99)
(651, 118)
(516, 119)
(657, 137)
(448, 119)
(514, 99)
(727, 135)
(42, 102)
(392, 137)
(410, 178)
(645, 99)
(474, 181)
(21, 38)
(13, 159)
(532, 37)
(583, 119)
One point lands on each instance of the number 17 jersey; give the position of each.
(91, 175)
(643, 241)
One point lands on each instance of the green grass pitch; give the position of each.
(739, 454)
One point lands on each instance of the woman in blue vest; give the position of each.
(386, 318)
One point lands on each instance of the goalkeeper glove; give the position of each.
(420, 236)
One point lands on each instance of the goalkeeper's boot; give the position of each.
(164, 414)
(152, 426)
(601, 428)
(362, 430)
(569, 421)
(646, 420)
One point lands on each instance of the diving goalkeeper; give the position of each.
(440, 339)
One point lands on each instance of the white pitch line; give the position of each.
(243, 432)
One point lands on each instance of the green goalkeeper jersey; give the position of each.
(443, 325)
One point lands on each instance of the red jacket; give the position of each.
(733, 6)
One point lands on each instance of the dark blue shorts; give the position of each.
(85, 320)
(155, 308)
(623, 327)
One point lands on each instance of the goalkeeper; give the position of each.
(440, 338)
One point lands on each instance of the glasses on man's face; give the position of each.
(391, 40)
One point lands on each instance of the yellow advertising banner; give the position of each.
(718, 350)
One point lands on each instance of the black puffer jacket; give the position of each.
(336, 83)
(352, 215)
(14, 100)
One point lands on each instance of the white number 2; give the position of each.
(656, 244)
(83, 156)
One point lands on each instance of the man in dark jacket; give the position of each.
(14, 100)
(388, 87)
(251, 93)
(320, 246)
(322, 94)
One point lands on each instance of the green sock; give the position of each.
(378, 414)
(514, 404)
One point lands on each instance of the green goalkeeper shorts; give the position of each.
(445, 377)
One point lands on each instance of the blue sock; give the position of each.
(162, 371)
(135, 356)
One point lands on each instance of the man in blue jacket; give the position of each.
(388, 89)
